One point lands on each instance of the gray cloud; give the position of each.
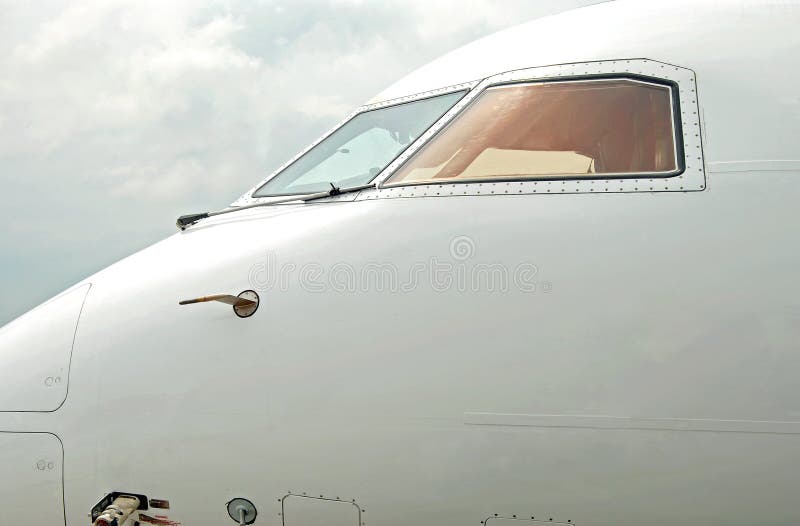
(118, 115)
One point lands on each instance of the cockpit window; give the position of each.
(544, 130)
(355, 153)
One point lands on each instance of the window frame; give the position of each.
(689, 175)
(248, 198)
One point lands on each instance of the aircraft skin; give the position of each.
(639, 367)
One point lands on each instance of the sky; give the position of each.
(117, 116)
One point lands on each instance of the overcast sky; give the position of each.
(116, 116)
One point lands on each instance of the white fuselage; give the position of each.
(602, 358)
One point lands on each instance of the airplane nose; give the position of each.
(35, 352)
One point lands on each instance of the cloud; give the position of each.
(118, 115)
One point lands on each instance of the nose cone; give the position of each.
(35, 353)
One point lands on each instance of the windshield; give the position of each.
(358, 151)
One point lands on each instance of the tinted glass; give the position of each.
(542, 130)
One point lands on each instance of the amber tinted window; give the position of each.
(537, 130)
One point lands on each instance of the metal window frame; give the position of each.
(248, 199)
(686, 120)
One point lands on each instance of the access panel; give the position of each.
(301, 510)
(31, 468)
(35, 353)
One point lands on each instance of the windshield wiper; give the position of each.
(188, 220)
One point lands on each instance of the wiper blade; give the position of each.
(188, 220)
(337, 191)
